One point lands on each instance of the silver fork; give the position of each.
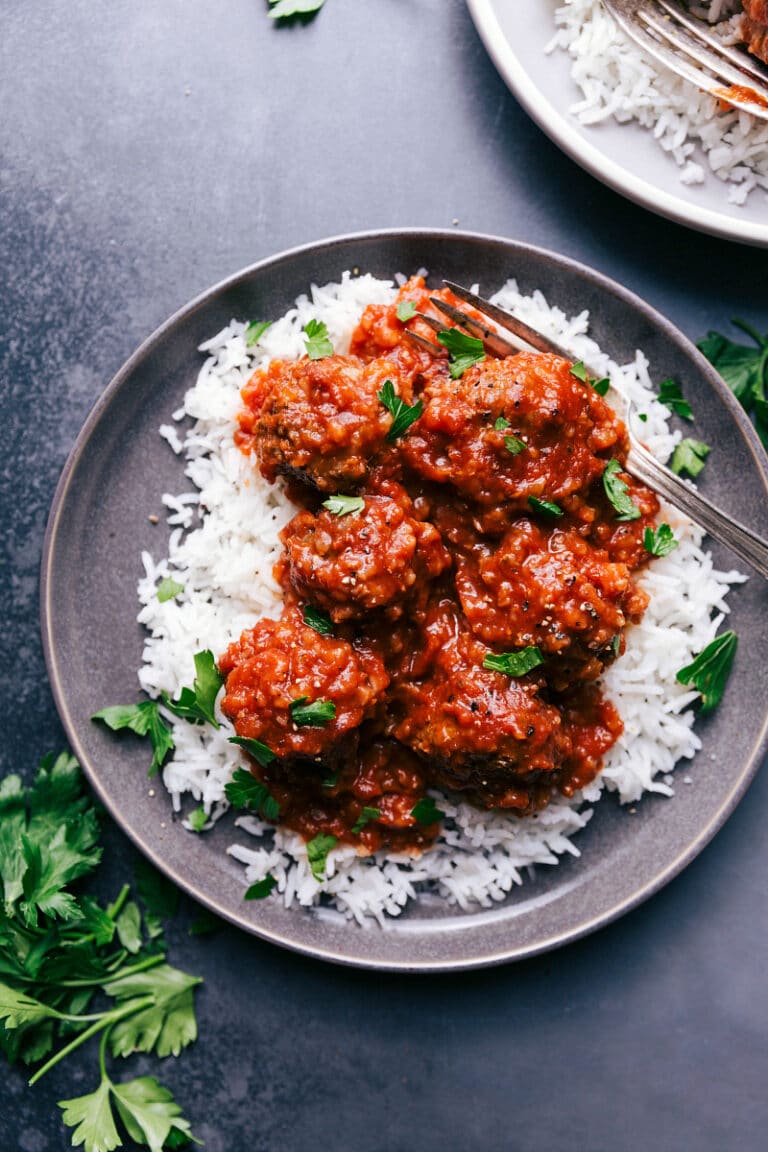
(686, 44)
(748, 546)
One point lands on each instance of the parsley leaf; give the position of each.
(317, 344)
(513, 445)
(463, 350)
(261, 753)
(514, 663)
(245, 791)
(318, 714)
(364, 818)
(545, 506)
(197, 819)
(284, 9)
(261, 888)
(616, 491)
(501, 424)
(197, 703)
(167, 1024)
(150, 1114)
(168, 589)
(331, 781)
(343, 505)
(255, 331)
(319, 620)
(710, 670)
(689, 456)
(145, 720)
(91, 1117)
(426, 812)
(660, 541)
(317, 853)
(406, 310)
(403, 415)
(580, 372)
(670, 394)
(744, 369)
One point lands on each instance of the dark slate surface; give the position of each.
(146, 150)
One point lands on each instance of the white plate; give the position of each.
(623, 156)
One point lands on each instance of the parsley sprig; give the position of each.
(659, 541)
(580, 372)
(317, 343)
(343, 505)
(744, 368)
(71, 969)
(616, 490)
(709, 672)
(403, 415)
(689, 457)
(514, 663)
(463, 350)
(671, 395)
(317, 714)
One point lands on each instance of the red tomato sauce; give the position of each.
(482, 530)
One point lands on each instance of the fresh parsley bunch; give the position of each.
(71, 969)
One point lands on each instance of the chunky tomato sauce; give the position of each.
(483, 530)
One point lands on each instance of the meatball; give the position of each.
(352, 564)
(320, 420)
(551, 588)
(280, 662)
(512, 429)
(479, 730)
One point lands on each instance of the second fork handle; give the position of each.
(748, 546)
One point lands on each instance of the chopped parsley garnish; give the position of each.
(261, 888)
(670, 394)
(317, 853)
(513, 445)
(600, 386)
(197, 819)
(145, 720)
(643, 416)
(168, 589)
(261, 753)
(514, 663)
(689, 456)
(709, 672)
(196, 704)
(403, 415)
(343, 505)
(317, 343)
(406, 310)
(616, 491)
(744, 369)
(72, 968)
(331, 781)
(255, 331)
(285, 9)
(319, 620)
(364, 818)
(545, 506)
(245, 791)
(318, 714)
(426, 812)
(616, 644)
(501, 424)
(463, 350)
(659, 541)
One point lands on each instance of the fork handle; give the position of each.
(746, 544)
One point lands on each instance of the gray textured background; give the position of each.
(148, 148)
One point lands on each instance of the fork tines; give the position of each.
(686, 44)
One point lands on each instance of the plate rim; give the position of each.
(557, 126)
(145, 348)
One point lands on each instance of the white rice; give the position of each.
(223, 545)
(619, 81)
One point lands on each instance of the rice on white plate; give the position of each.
(223, 546)
(618, 80)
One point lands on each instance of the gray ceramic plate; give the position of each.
(624, 156)
(99, 525)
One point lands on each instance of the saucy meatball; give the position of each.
(282, 662)
(478, 730)
(352, 564)
(320, 421)
(508, 430)
(552, 589)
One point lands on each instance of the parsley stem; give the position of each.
(106, 1021)
(142, 966)
(103, 1052)
(750, 331)
(115, 909)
